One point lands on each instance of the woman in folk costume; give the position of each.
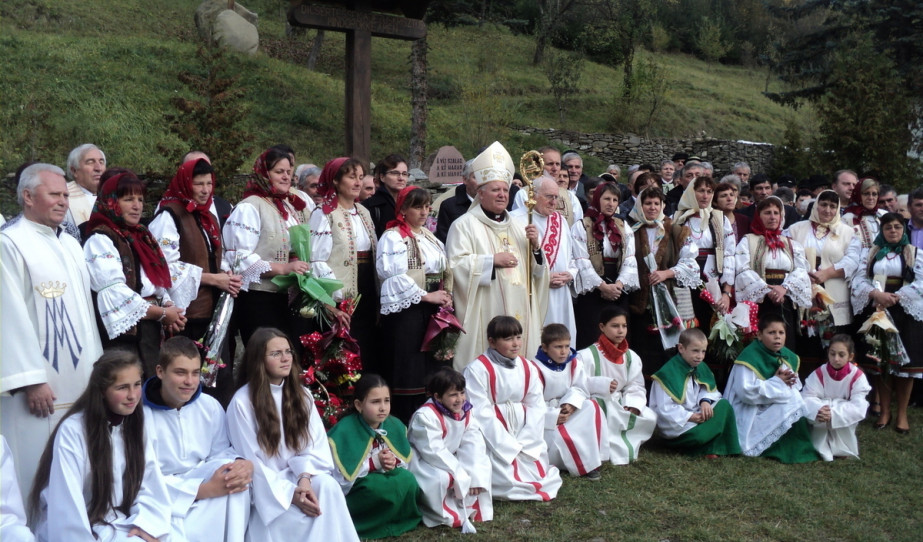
(891, 277)
(372, 455)
(771, 268)
(128, 271)
(506, 391)
(98, 477)
(487, 253)
(415, 283)
(343, 248)
(616, 381)
(835, 396)
(258, 247)
(712, 234)
(825, 239)
(188, 233)
(675, 266)
(575, 430)
(273, 423)
(450, 458)
(604, 251)
(862, 215)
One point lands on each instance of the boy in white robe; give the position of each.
(506, 392)
(616, 382)
(575, 428)
(207, 481)
(451, 462)
(835, 397)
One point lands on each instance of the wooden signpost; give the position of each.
(360, 20)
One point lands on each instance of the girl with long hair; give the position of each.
(98, 477)
(273, 423)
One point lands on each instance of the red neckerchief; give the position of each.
(773, 237)
(603, 225)
(259, 185)
(838, 374)
(613, 353)
(180, 190)
(400, 221)
(855, 205)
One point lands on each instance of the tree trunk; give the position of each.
(626, 69)
(418, 101)
(315, 49)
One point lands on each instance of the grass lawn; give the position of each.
(664, 496)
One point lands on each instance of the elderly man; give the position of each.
(667, 169)
(742, 170)
(568, 204)
(48, 328)
(556, 243)
(576, 177)
(690, 172)
(306, 177)
(85, 165)
(487, 252)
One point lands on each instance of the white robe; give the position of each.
(482, 292)
(509, 407)
(765, 409)
(273, 517)
(627, 431)
(47, 333)
(672, 417)
(848, 404)
(63, 503)
(450, 458)
(557, 245)
(580, 444)
(191, 444)
(12, 514)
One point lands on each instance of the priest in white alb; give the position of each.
(488, 252)
(556, 243)
(48, 335)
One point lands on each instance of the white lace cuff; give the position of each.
(750, 287)
(398, 293)
(118, 311)
(252, 274)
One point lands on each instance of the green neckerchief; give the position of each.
(675, 373)
(351, 440)
(888, 248)
(765, 362)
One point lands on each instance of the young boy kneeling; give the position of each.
(691, 415)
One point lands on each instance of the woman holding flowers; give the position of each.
(415, 283)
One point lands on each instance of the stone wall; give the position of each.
(628, 149)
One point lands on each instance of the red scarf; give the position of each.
(773, 237)
(107, 212)
(400, 221)
(259, 185)
(855, 203)
(614, 353)
(838, 374)
(603, 225)
(325, 187)
(180, 190)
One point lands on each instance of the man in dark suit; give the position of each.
(760, 189)
(460, 201)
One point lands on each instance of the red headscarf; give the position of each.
(259, 185)
(107, 212)
(325, 186)
(773, 237)
(180, 190)
(855, 201)
(603, 225)
(400, 221)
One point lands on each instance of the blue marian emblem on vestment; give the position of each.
(61, 337)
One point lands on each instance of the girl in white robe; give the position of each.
(295, 496)
(835, 396)
(103, 430)
(505, 390)
(451, 462)
(616, 382)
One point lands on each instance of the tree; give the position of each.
(550, 18)
(709, 40)
(563, 71)
(418, 88)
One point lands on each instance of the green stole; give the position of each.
(351, 440)
(765, 362)
(675, 373)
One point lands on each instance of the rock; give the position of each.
(208, 11)
(231, 31)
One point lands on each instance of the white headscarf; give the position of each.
(637, 213)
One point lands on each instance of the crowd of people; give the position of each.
(590, 308)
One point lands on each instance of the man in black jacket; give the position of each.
(458, 203)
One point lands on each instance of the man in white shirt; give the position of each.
(85, 165)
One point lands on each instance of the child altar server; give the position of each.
(763, 388)
(13, 526)
(575, 431)
(616, 382)
(691, 415)
(835, 396)
(207, 481)
(506, 392)
(371, 452)
(450, 458)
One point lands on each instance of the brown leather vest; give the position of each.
(194, 249)
(666, 257)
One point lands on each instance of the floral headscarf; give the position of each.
(400, 221)
(259, 185)
(325, 186)
(180, 190)
(689, 206)
(604, 225)
(821, 228)
(855, 201)
(637, 213)
(773, 237)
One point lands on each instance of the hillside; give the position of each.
(104, 71)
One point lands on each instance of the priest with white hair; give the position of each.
(557, 245)
(488, 254)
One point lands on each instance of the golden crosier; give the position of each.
(531, 167)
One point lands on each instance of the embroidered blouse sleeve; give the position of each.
(730, 245)
(861, 285)
(398, 290)
(628, 274)
(911, 295)
(749, 286)
(322, 247)
(851, 263)
(241, 236)
(120, 307)
(797, 281)
(586, 279)
(686, 268)
(185, 277)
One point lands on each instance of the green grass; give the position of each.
(664, 496)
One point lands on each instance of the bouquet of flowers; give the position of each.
(886, 347)
(731, 331)
(442, 334)
(308, 295)
(817, 321)
(212, 341)
(664, 314)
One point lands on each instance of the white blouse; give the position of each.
(241, 235)
(750, 286)
(398, 290)
(322, 243)
(911, 295)
(163, 228)
(587, 279)
(702, 239)
(686, 271)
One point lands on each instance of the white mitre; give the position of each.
(494, 164)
